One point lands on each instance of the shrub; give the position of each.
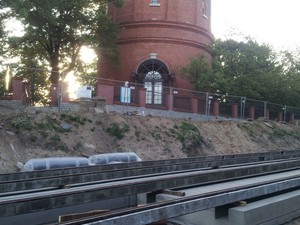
(118, 131)
(189, 135)
(21, 121)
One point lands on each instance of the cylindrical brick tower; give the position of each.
(158, 37)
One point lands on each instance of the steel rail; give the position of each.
(73, 180)
(41, 184)
(108, 172)
(40, 201)
(212, 161)
(185, 205)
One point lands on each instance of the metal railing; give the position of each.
(211, 104)
(183, 100)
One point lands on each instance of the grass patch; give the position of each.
(21, 121)
(188, 134)
(278, 132)
(117, 130)
(248, 127)
(137, 134)
(155, 135)
(76, 119)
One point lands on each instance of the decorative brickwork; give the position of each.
(172, 31)
(142, 97)
(18, 88)
(216, 108)
(106, 92)
(252, 112)
(234, 110)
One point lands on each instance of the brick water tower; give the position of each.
(157, 37)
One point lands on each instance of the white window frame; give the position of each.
(154, 3)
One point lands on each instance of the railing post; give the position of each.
(252, 112)
(265, 110)
(216, 108)
(206, 104)
(170, 99)
(142, 97)
(18, 88)
(242, 109)
(106, 91)
(234, 110)
(279, 116)
(194, 102)
(292, 119)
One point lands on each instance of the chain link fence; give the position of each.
(153, 95)
(205, 103)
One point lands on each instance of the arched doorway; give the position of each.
(154, 74)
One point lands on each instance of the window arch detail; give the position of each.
(154, 74)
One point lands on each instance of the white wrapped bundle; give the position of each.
(111, 158)
(54, 163)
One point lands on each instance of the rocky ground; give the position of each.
(43, 134)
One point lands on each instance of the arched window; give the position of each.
(154, 74)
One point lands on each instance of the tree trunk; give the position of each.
(54, 77)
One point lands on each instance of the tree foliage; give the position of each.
(290, 62)
(247, 68)
(57, 29)
(200, 73)
(32, 68)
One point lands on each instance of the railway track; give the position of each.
(56, 179)
(113, 181)
(178, 207)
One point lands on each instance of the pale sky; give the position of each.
(275, 22)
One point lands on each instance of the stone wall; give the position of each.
(8, 105)
(70, 107)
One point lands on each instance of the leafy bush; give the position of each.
(189, 135)
(74, 118)
(118, 131)
(280, 133)
(21, 121)
(137, 133)
(48, 124)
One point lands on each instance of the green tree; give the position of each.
(32, 68)
(249, 69)
(2, 83)
(2, 72)
(199, 72)
(58, 27)
(290, 62)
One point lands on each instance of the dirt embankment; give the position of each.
(38, 134)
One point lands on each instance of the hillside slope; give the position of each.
(39, 134)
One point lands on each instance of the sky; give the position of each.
(274, 22)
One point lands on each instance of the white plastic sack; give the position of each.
(111, 158)
(54, 163)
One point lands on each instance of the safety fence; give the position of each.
(182, 100)
(152, 95)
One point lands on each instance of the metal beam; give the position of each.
(185, 206)
(21, 204)
(254, 157)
